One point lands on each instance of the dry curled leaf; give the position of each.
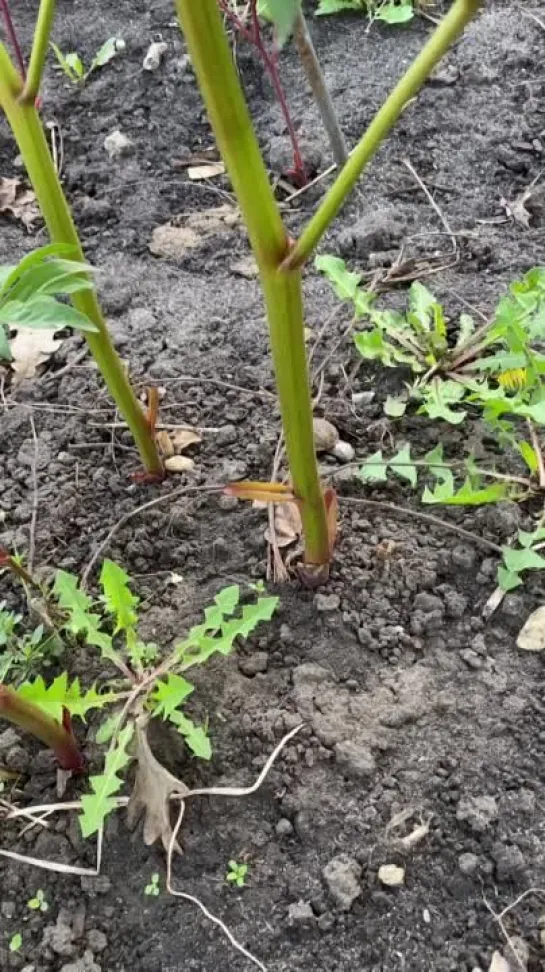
(207, 171)
(153, 788)
(183, 438)
(30, 348)
(164, 443)
(526, 206)
(19, 202)
(499, 963)
(287, 524)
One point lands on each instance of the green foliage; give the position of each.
(73, 66)
(21, 652)
(29, 292)
(38, 902)
(448, 488)
(282, 14)
(389, 11)
(236, 874)
(517, 560)
(15, 942)
(496, 369)
(110, 624)
(153, 889)
(97, 805)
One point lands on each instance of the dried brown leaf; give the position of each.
(31, 348)
(287, 524)
(164, 443)
(207, 171)
(183, 438)
(18, 201)
(153, 788)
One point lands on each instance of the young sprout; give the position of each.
(152, 888)
(73, 66)
(236, 874)
(38, 903)
(15, 942)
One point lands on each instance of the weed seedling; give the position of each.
(15, 942)
(142, 686)
(236, 874)
(389, 11)
(73, 66)
(38, 902)
(152, 889)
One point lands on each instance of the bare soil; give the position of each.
(410, 700)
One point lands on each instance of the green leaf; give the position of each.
(394, 407)
(117, 595)
(374, 469)
(394, 13)
(530, 539)
(327, 7)
(438, 396)
(402, 466)
(62, 695)
(34, 259)
(44, 312)
(467, 495)
(105, 53)
(507, 580)
(74, 64)
(50, 277)
(81, 620)
(15, 942)
(168, 695)
(108, 728)
(97, 805)
(528, 454)
(345, 283)
(524, 559)
(5, 350)
(227, 600)
(466, 327)
(194, 736)
(282, 13)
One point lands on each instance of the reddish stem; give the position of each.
(12, 35)
(254, 37)
(31, 718)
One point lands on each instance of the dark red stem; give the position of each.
(254, 37)
(31, 718)
(12, 35)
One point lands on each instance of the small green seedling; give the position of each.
(38, 903)
(152, 889)
(29, 292)
(73, 66)
(389, 11)
(236, 874)
(15, 942)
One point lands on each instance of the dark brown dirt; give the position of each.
(410, 700)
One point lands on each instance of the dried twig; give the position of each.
(425, 517)
(408, 165)
(34, 514)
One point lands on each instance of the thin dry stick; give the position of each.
(56, 866)
(432, 203)
(183, 490)
(34, 514)
(229, 791)
(426, 517)
(522, 965)
(534, 17)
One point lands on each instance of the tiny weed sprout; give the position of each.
(73, 66)
(38, 902)
(152, 889)
(29, 292)
(16, 942)
(236, 874)
(143, 684)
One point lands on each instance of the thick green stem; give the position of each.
(203, 29)
(40, 45)
(29, 134)
(32, 719)
(442, 38)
